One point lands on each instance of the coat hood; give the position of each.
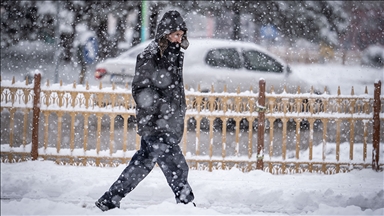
(171, 22)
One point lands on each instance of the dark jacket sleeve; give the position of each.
(143, 90)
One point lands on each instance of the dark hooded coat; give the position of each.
(157, 87)
(160, 110)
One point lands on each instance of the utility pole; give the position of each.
(144, 20)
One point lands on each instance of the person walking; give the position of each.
(158, 91)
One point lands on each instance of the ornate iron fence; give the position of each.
(90, 125)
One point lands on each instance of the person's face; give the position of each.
(176, 36)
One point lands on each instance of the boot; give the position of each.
(106, 203)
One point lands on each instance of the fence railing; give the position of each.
(76, 124)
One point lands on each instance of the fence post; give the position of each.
(36, 117)
(376, 126)
(260, 127)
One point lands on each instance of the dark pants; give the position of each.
(169, 158)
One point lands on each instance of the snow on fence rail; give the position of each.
(90, 125)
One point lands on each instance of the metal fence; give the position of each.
(92, 125)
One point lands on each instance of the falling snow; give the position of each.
(327, 43)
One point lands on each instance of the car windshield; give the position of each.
(132, 52)
(135, 52)
(224, 57)
(254, 60)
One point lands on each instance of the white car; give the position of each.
(214, 62)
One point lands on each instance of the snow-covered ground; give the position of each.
(44, 188)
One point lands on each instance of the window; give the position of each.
(229, 58)
(254, 60)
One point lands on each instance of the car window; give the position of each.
(223, 57)
(254, 60)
